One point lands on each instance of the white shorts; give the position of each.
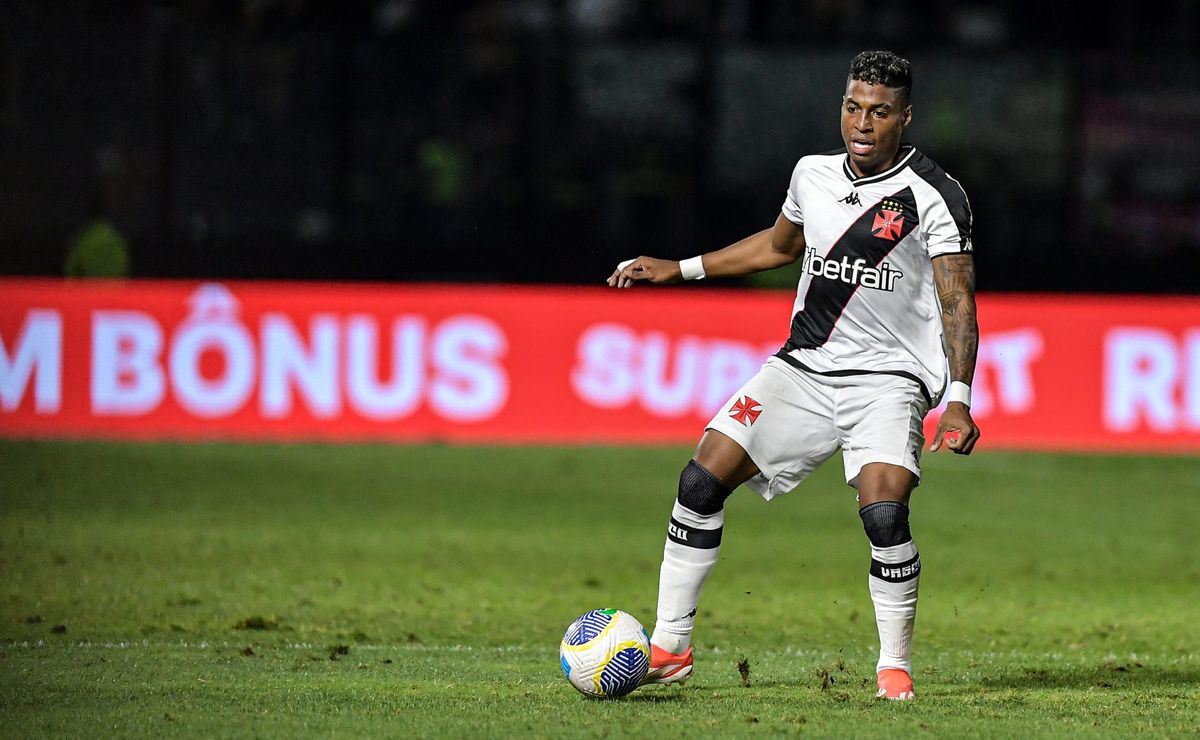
(790, 421)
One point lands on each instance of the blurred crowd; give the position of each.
(543, 140)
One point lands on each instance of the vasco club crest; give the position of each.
(889, 221)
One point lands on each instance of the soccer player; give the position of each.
(884, 309)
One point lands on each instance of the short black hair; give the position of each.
(882, 68)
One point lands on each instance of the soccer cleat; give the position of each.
(668, 667)
(895, 684)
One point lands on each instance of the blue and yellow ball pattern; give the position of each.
(605, 653)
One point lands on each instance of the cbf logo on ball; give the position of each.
(605, 653)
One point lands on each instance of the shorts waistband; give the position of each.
(783, 355)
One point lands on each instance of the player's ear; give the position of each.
(907, 116)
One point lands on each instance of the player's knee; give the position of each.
(700, 490)
(886, 523)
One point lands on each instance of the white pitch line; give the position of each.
(782, 652)
(226, 645)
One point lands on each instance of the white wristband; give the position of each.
(961, 392)
(692, 268)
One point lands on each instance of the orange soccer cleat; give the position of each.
(895, 684)
(668, 667)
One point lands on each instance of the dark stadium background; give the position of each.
(544, 140)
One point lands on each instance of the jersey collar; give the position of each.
(900, 164)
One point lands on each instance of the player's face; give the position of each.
(873, 119)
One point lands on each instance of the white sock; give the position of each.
(685, 568)
(895, 572)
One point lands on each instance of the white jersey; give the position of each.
(866, 302)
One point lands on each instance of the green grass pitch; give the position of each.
(277, 591)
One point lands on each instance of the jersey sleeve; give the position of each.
(948, 220)
(793, 209)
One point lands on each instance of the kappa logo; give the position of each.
(889, 221)
(851, 199)
(746, 410)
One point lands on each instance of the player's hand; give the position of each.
(956, 429)
(645, 268)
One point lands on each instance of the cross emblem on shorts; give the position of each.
(746, 410)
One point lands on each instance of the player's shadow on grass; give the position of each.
(655, 697)
(699, 692)
(1126, 675)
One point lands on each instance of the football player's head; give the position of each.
(876, 109)
(882, 68)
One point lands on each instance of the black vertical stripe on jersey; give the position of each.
(826, 298)
(950, 190)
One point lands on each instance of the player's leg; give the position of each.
(770, 435)
(884, 492)
(693, 545)
(882, 445)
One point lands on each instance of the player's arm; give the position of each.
(777, 246)
(954, 276)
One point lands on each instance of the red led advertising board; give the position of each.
(573, 365)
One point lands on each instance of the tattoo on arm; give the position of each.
(954, 275)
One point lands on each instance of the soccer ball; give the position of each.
(605, 653)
